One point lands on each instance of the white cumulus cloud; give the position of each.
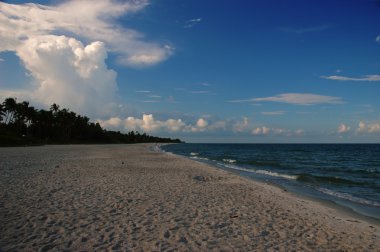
(261, 130)
(378, 39)
(90, 20)
(68, 73)
(64, 48)
(343, 128)
(368, 128)
(202, 123)
(145, 124)
(149, 124)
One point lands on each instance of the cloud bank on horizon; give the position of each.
(239, 127)
(64, 49)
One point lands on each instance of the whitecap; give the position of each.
(276, 174)
(262, 172)
(231, 161)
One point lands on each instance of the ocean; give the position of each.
(346, 174)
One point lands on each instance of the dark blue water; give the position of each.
(347, 174)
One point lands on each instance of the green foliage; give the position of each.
(21, 124)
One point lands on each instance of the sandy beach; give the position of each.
(130, 198)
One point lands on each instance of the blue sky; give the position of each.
(204, 71)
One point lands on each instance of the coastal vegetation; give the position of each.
(22, 124)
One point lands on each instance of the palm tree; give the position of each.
(10, 105)
(2, 112)
(21, 111)
(31, 115)
(21, 117)
(54, 108)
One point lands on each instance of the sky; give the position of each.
(260, 71)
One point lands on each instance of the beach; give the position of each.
(129, 197)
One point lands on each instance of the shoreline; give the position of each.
(354, 209)
(293, 193)
(127, 197)
(325, 202)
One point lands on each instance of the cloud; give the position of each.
(149, 124)
(150, 101)
(273, 113)
(261, 131)
(368, 128)
(299, 132)
(205, 84)
(143, 91)
(89, 20)
(200, 126)
(192, 22)
(378, 39)
(199, 92)
(373, 77)
(218, 126)
(301, 30)
(202, 123)
(374, 128)
(265, 131)
(64, 48)
(343, 128)
(361, 127)
(68, 73)
(297, 99)
(240, 126)
(146, 124)
(1, 59)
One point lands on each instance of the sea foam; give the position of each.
(349, 197)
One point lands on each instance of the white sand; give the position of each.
(125, 197)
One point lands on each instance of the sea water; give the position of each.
(347, 174)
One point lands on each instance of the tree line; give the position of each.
(22, 124)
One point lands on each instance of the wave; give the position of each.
(327, 180)
(194, 154)
(262, 172)
(349, 197)
(227, 160)
(199, 158)
(157, 148)
(276, 174)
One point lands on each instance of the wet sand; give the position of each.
(127, 197)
